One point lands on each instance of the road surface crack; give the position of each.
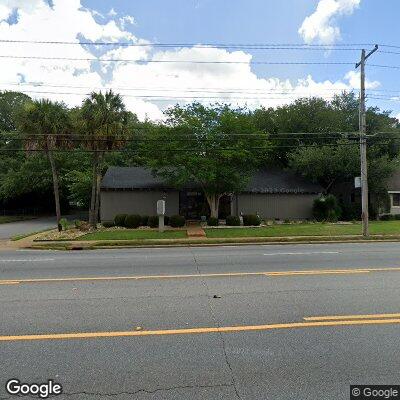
(216, 323)
(146, 391)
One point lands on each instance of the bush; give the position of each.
(387, 217)
(351, 212)
(153, 221)
(212, 221)
(119, 220)
(251, 220)
(144, 221)
(326, 209)
(177, 221)
(133, 221)
(82, 225)
(166, 220)
(397, 217)
(108, 224)
(232, 220)
(64, 224)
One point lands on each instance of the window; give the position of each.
(396, 199)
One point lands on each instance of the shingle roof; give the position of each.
(271, 180)
(275, 180)
(131, 178)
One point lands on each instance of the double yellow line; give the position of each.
(320, 321)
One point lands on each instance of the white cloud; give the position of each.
(112, 13)
(127, 20)
(148, 88)
(354, 80)
(321, 25)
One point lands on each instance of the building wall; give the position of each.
(142, 202)
(275, 206)
(394, 209)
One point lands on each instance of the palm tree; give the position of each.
(105, 125)
(45, 126)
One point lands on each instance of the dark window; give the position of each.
(396, 199)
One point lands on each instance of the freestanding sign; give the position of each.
(161, 213)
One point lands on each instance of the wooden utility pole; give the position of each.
(363, 143)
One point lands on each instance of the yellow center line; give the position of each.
(186, 331)
(210, 275)
(318, 272)
(347, 317)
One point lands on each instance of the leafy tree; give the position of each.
(328, 165)
(106, 124)
(212, 147)
(45, 126)
(10, 105)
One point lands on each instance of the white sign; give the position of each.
(161, 207)
(357, 182)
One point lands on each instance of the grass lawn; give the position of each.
(132, 234)
(318, 229)
(5, 219)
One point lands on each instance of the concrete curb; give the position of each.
(152, 243)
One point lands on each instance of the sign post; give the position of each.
(161, 213)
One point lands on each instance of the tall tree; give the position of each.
(10, 105)
(106, 124)
(214, 147)
(45, 126)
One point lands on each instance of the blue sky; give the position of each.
(327, 22)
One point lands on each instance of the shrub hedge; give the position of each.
(251, 220)
(119, 220)
(177, 221)
(144, 220)
(212, 221)
(326, 208)
(108, 224)
(133, 221)
(153, 221)
(232, 220)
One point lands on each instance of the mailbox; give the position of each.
(161, 207)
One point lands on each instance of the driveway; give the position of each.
(11, 229)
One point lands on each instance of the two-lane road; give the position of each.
(248, 322)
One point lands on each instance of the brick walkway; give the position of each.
(195, 231)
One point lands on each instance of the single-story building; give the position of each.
(272, 193)
(394, 193)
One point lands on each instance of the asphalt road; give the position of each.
(249, 322)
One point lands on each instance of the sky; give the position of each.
(152, 78)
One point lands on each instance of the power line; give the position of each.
(177, 89)
(268, 46)
(272, 136)
(163, 98)
(144, 62)
(174, 149)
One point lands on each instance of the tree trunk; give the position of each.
(55, 187)
(92, 220)
(213, 202)
(98, 182)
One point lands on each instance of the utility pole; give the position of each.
(363, 143)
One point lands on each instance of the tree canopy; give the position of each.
(214, 148)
